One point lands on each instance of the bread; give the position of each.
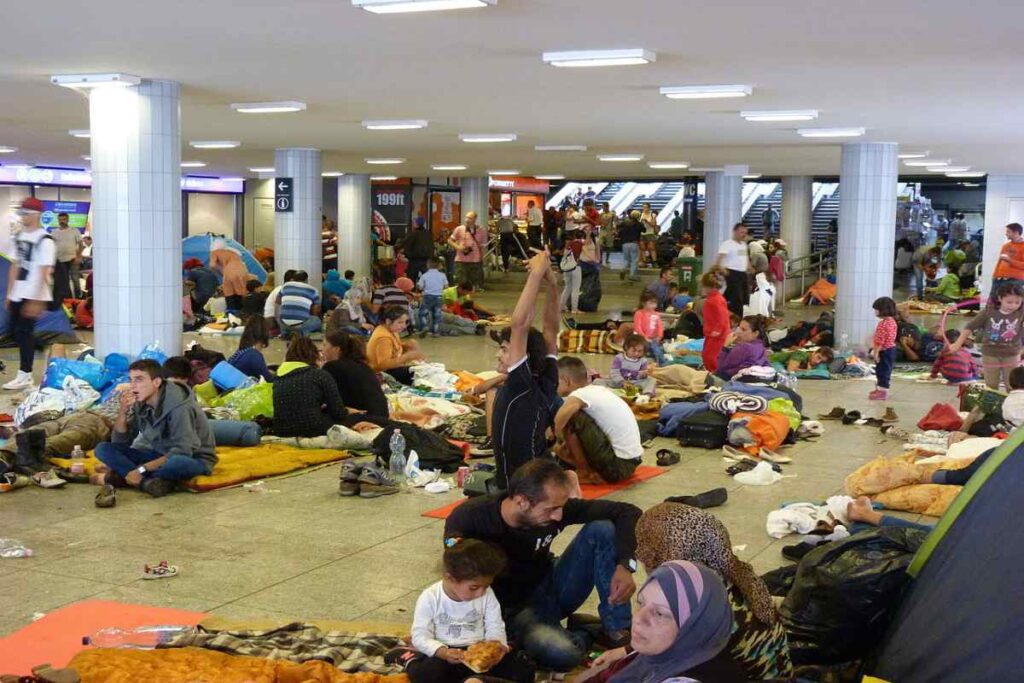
(484, 655)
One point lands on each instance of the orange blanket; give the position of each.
(189, 664)
(822, 290)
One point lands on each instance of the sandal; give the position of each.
(107, 497)
(836, 413)
(772, 456)
(667, 457)
(160, 571)
(48, 480)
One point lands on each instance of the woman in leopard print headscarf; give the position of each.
(672, 531)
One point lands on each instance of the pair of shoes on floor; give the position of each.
(667, 458)
(879, 394)
(365, 480)
(708, 499)
(733, 454)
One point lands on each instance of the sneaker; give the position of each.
(375, 482)
(48, 479)
(157, 487)
(483, 450)
(159, 571)
(12, 480)
(22, 381)
(402, 656)
(879, 395)
(348, 480)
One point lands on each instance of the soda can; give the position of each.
(460, 476)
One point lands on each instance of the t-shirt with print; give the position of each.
(440, 621)
(998, 333)
(523, 410)
(297, 299)
(736, 255)
(34, 250)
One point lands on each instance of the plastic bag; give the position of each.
(846, 593)
(153, 352)
(761, 475)
(78, 395)
(42, 400)
(250, 403)
(941, 416)
(59, 368)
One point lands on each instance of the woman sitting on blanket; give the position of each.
(746, 347)
(387, 352)
(345, 361)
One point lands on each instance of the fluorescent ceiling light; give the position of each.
(80, 133)
(577, 58)
(268, 107)
(399, 6)
(384, 160)
(233, 180)
(770, 116)
(19, 167)
(913, 155)
(705, 92)
(8, 150)
(215, 144)
(262, 169)
(560, 148)
(948, 169)
(331, 174)
(383, 177)
(620, 157)
(94, 80)
(969, 184)
(831, 132)
(928, 162)
(193, 164)
(411, 124)
(503, 171)
(706, 169)
(549, 177)
(449, 167)
(752, 176)
(938, 166)
(668, 164)
(487, 137)
(962, 174)
(86, 157)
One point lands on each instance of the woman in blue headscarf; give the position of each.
(681, 627)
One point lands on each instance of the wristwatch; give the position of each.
(142, 470)
(630, 565)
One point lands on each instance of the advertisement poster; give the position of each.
(445, 211)
(392, 210)
(78, 214)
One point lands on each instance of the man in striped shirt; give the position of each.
(299, 307)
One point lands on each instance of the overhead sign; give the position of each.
(519, 184)
(284, 195)
(78, 214)
(72, 178)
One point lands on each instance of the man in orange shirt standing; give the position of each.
(1010, 265)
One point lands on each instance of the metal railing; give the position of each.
(804, 267)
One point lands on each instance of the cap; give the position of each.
(32, 204)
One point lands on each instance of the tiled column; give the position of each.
(867, 233)
(796, 214)
(475, 197)
(354, 224)
(1004, 203)
(723, 206)
(136, 223)
(297, 233)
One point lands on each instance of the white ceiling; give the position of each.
(941, 75)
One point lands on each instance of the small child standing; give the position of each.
(456, 612)
(883, 347)
(631, 366)
(1000, 327)
(954, 366)
(647, 323)
(716, 318)
(432, 283)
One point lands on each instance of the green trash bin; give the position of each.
(690, 270)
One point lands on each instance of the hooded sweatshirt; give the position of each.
(334, 285)
(176, 426)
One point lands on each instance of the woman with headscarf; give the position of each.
(672, 531)
(348, 316)
(681, 628)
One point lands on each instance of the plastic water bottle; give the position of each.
(844, 343)
(9, 548)
(396, 464)
(141, 637)
(77, 460)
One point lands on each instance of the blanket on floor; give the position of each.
(585, 341)
(893, 482)
(681, 378)
(187, 665)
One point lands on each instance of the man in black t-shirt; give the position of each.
(536, 590)
(524, 406)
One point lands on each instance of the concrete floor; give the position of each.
(301, 551)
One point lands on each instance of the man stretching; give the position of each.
(160, 436)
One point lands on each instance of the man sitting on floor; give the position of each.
(160, 436)
(599, 435)
(536, 590)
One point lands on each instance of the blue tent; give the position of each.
(962, 617)
(198, 247)
(53, 327)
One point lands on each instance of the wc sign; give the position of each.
(283, 195)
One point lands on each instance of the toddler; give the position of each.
(631, 366)
(883, 347)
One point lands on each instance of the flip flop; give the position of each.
(667, 457)
(773, 457)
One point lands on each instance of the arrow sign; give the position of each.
(283, 195)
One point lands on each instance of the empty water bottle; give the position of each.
(396, 464)
(141, 637)
(844, 343)
(77, 460)
(9, 548)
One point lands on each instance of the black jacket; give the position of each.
(419, 244)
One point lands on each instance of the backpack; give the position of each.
(435, 452)
(704, 430)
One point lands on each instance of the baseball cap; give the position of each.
(32, 204)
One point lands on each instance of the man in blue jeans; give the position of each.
(537, 590)
(160, 435)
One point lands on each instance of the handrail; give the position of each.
(816, 263)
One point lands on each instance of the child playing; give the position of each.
(802, 360)
(631, 366)
(883, 347)
(647, 323)
(1001, 336)
(954, 366)
(432, 283)
(456, 612)
(716, 318)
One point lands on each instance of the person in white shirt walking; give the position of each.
(534, 224)
(29, 286)
(734, 257)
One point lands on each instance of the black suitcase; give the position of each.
(704, 430)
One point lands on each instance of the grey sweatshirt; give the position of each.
(177, 426)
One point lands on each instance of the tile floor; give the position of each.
(302, 551)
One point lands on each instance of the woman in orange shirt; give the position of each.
(386, 352)
(716, 318)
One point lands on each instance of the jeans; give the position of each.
(235, 433)
(430, 309)
(305, 328)
(657, 352)
(631, 252)
(570, 298)
(883, 369)
(22, 330)
(589, 562)
(122, 458)
(919, 281)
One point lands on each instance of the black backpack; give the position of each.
(435, 452)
